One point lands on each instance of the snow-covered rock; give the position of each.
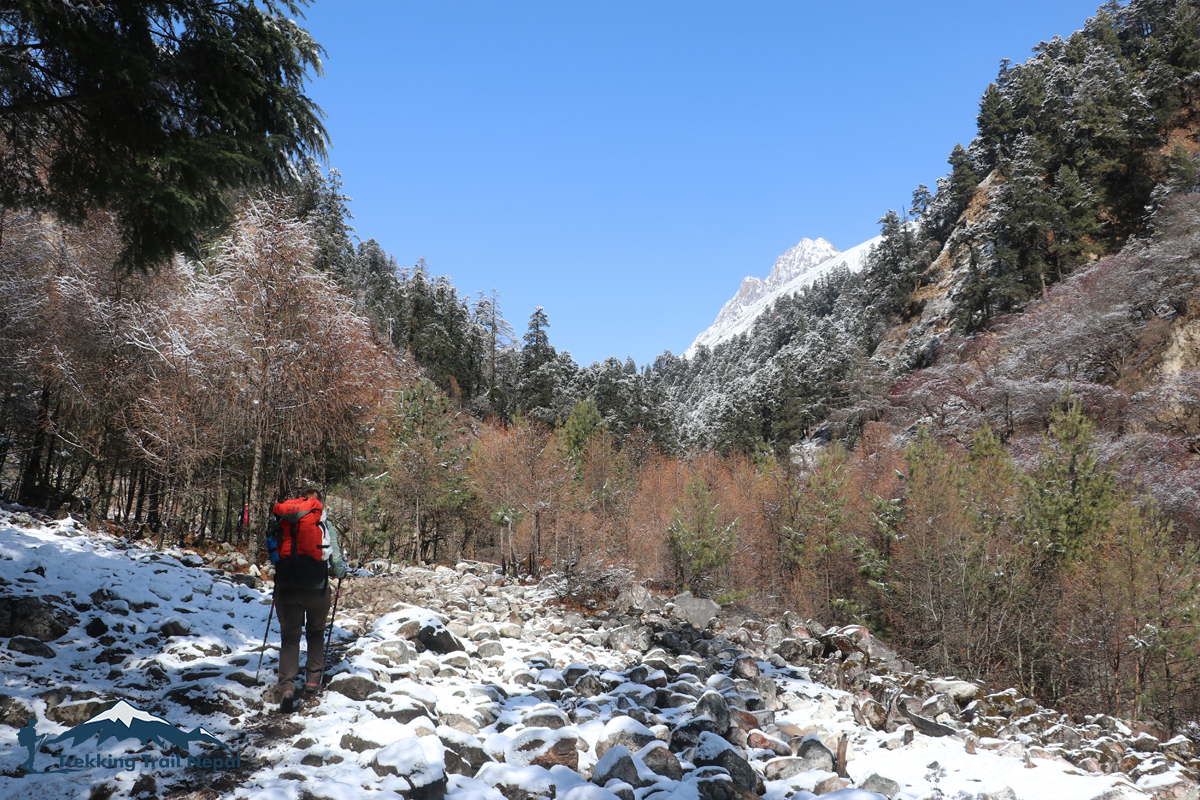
(687, 713)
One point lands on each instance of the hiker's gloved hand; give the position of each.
(338, 570)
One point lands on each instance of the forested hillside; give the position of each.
(984, 445)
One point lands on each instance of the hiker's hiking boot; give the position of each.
(288, 702)
(311, 689)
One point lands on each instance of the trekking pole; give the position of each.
(333, 616)
(263, 651)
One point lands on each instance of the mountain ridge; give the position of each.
(798, 267)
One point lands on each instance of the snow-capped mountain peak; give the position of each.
(800, 266)
(798, 260)
(125, 714)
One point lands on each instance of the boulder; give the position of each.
(457, 660)
(397, 651)
(573, 672)
(14, 712)
(1064, 735)
(73, 713)
(29, 616)
(714, 706)
(586, 791)
(637, 599)
(551, 679)
(856, 638)
(400, 709)
(31, 647)
(171, 627)
(831, 787)
(617, 764)
(204, 701)
(490, 649)
(962, 692)
(695, 610)
(1003, 793)
(924, 724)
(438, 638)
(589, 685)
(814, 752)
(419, 763)
(688, 734)
(630, 637)
(464, 754)
(745, 667)
(873, 714)
(623, 731)
(356, 687)
(714, 783)
(459, 722)
(713, 751)
(357, 744)
(543, 747)
(879, 784)
(518, 783)
(546, 716)
(768, 691)
(659, 759)
(939, 704)
(780, 769)
(761, 741)
(791, 650)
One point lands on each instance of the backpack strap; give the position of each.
(295, 516)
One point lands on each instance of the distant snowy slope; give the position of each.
(798, 267)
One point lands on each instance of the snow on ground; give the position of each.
(182, 643)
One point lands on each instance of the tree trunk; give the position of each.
(416, 543)
(30, 493)
(153, 513)
(535, 549)
(252, 540)
(141, 495)
(128, 487)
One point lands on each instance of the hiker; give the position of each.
(308, 555)
(28, 738)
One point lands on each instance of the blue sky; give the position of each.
(626, 164)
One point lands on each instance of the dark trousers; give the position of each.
(299, 609)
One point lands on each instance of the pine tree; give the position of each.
(155, 111)
(537, 350)
(1077, 234)
(583, 423)
(499, 332)
(541, 378)
(816, 540)
(963, 178)
(701, 548)
(1070, 496)
(318, 201)
(998, 126)
(921, 198)
(1026, 214)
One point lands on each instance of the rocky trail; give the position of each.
(453, 683)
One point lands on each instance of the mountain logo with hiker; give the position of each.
(121, 722)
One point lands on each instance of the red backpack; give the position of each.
(303, 542)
